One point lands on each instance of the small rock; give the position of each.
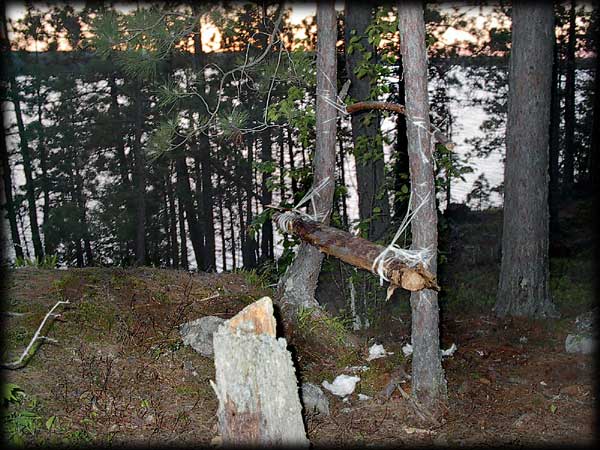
(314, 399)
(199, 334)
(580, 343)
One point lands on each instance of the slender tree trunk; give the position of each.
(401, 166)
(281, 146)
(523, 287)
(344, 196)
(172, 220)
(593, 165)
(554, 144)
(290, 141)
(428, 382)
(373, 203)
(28, 170)
(140, 180)
(249, 243)
(232, 235)
(266, 242)
(298, 285)
(569, 159)
(182, 234)
(222, 231)
(184, 192)
(8, 204)
(45, 185)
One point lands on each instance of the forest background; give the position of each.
(167, 151)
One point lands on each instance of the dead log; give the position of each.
(256, 384)
(358, 252)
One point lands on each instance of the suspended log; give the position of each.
(256, 384)
(358, 252)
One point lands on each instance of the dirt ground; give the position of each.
(119, 373)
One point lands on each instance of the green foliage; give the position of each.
(47, 262)
(20, 422)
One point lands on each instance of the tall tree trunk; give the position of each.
(298, 285)
(428, 382)
(28, 170)
(281, 147)
(373, 203)
(569, 159)
(140, 179)
(523, 286)
(45, 185)
(593, 166)
(205, 216)
(290, 141)
(232, 235)
(401, 166)
(172, 220)
(342, 169)
(266, 242)
(182, 234)
(186, 199)
(13, 91)
(222, 230)
(8, 202)
(249, 243)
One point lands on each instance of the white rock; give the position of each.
(342, 385)
(407, 349)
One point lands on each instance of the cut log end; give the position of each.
(256, 318)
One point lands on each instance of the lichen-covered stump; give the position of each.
(256, 382)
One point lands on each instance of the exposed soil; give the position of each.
(120, 374)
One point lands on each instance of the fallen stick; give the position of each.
(25, 356)
(357, 251)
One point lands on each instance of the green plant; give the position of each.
(47, 262)
(20, 422)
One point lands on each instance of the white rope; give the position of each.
(411, 257)
(284, 221)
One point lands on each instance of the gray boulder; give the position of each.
(199, 334)
(584, 338)
(314, 399)
(583, 343)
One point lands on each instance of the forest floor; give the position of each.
(120, 374)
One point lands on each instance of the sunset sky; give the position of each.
(211, 36)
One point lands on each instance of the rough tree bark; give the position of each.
(429, 384)
(298, 285)
(256, 382)
(523, 285)
(370, 175)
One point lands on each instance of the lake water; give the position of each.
(466, 122)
